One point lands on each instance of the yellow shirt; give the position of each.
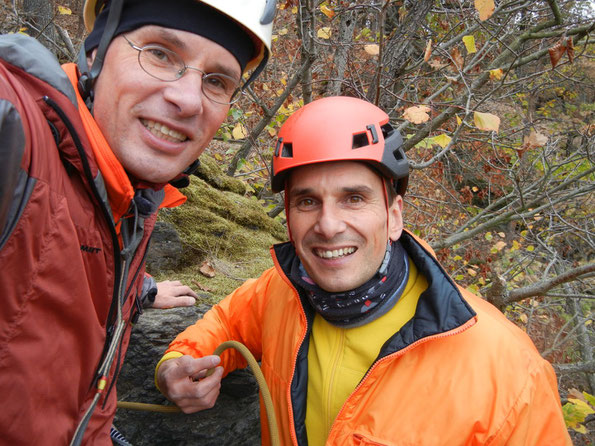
(338, 358)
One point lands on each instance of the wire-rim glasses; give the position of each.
(166, 65)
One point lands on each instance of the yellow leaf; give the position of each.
(372, 49)
(239, 132)
(64, 10)
(283, 31)
(428, 52)
(471, 272)
(486, 121)
(272, 132)
(475, 189)
(417, 114)
(324, 33)
(459, 120)
(218, 157)
(523, 317)
(582, 405)
(485, 8)
(294, 10)
(327, 11)
(469, 42)
(497, 74)
(442, 140)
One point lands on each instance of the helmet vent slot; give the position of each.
(387, 129)
(360, 140)
(287, 151)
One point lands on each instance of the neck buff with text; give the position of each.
(367, 302)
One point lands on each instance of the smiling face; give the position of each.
(156, 129)
(338, 221)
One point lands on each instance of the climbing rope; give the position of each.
(264, 390)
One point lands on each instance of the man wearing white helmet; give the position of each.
(363, 337)
(87, 152)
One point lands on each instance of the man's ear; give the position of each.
(395, 219)
(91, 57)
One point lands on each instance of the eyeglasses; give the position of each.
(168, 66)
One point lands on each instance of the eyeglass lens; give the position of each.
(166, 65)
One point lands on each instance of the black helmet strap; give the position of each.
(88, 77)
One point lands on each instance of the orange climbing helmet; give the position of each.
(340, 129)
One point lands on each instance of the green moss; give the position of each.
(210, 171)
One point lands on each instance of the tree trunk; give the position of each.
(39, 15)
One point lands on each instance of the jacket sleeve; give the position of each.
(237, 317)
(536, 418)
(12, 148)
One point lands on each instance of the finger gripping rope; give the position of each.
(264, 390)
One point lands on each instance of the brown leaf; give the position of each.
(576, 394)
(428, 52)
(534, 140)
(436, 64)
(457, 58)
(417, 114)
(372, 49)
(570, 49)
(206, 269)
(200, 286)
(556, 53)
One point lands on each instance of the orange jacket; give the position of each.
(458, 373)
(60, 259)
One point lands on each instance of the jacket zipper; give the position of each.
(118, 262)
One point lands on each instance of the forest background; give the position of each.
(495, 101)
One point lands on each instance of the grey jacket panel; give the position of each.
(12, 147)
(27, 53)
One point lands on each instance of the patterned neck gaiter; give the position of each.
(369, 301)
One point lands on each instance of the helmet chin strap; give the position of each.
(384, 186)
(89, 76)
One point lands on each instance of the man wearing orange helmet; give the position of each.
(86, 155)
(363, 337)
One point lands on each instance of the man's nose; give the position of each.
(186, 93)
(330, 222)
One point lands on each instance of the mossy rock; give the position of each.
(230, 231)
(210, 171)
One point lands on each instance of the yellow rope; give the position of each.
(264, 389)
(148, 407)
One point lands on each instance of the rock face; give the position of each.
(233, 421)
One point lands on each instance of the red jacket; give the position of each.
(60, 259)
(458, 373)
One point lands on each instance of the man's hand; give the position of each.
(183, 380)
(172, 293)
